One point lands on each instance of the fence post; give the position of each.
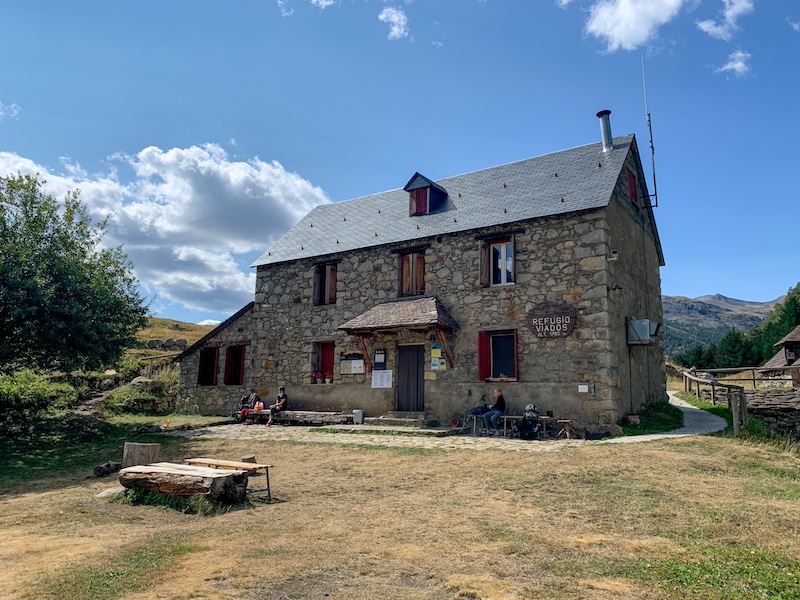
(733, 400)
(745, 417)
(713, 394)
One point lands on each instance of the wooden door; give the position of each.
(411, 378)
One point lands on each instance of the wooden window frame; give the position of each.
(325, 275)
(487, 266)
(412, 274)
(234, 365)
(486, 357)
(207, 367)
(419, 201)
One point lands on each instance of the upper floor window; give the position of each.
(497, 262)
(412, 274)
(424, 196)
(325, 284)
(419, 201)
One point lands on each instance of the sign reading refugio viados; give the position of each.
(552, 319)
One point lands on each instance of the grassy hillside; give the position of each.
(162, 329)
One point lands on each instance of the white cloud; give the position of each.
(9, 111)
(563, 3)
(737, 64)
(323, 4)
(628, 24)
(731, 11)
(794, 25)
(188, 217)
(397, 20)
(286, 9)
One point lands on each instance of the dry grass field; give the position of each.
(709, 517)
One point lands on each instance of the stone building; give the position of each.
(540, 277)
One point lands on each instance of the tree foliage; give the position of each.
(66, 302)
(754, 348)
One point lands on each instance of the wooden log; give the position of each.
(136, 453)
(228, 486)
(107, 468)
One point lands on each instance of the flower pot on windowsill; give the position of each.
(328, 380)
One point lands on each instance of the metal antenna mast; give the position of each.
(654, 196)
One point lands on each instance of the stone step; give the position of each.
(387, 421)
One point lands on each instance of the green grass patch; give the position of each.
(54, 445)
(726, 573)
(655, 418)
(192, 505)
(132, 570)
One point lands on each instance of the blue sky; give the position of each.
(205, 129)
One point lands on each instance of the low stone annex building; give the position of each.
(540, 277)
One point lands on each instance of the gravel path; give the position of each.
(697, 422)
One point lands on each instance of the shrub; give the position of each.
(128, 399)
(25, 391)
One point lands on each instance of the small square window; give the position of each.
(497, 262)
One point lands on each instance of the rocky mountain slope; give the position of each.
(704, 320)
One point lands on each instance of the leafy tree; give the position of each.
(65, 301)
(733, 350)
(783, 319)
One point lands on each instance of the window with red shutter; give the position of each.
(234, 365)
(497, 355)
(325, 284)
(207, 367)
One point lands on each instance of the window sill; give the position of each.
(502, 379)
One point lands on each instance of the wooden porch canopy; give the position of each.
(423, 315)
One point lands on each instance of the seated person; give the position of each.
(498, 409)
(248, 404)
(279, 405)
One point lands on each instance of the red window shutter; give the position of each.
(241, 367)
(229, 367)
(516, 356)
(632, 187)
(422, 201)
(331, 284)
(484, 356)
(420, 274)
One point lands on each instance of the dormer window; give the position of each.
(424, 196)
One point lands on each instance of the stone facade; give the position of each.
(217, 398)
(778, 409)
(603, 262)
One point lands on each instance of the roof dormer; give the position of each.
(424, 196)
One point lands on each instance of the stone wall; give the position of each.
(778, 409)
(218, 399)
(563, 258)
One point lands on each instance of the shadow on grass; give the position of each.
(44, 452)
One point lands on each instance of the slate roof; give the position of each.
(227, 322)
(778, 362)
(577, 179)
(792, 336)
(424, 313)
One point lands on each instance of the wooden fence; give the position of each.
(734, 394)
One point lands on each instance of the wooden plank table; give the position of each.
(219, 463)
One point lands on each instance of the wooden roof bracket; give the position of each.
(449, 356)
(363, 344)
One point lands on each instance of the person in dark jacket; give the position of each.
(498, 409)
(280, 404)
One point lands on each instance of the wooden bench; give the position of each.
(303, 417)
(218, 463)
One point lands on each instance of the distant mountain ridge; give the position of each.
(705, 320)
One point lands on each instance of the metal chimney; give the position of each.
(605, 130)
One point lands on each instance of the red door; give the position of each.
(326, 356)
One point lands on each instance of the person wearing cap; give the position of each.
(498, 409)
(280, 404)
